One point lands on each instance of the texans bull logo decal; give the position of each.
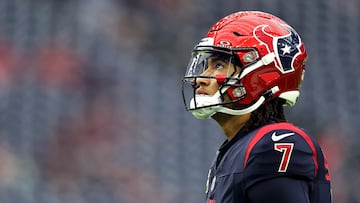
(285, 48)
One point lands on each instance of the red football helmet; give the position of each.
(271, 57)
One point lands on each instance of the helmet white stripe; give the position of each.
(266, 60)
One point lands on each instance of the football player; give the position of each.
(247, 68)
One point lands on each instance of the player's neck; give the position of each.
(231, 125)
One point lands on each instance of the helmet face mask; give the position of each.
(253, 56)
(212, 63)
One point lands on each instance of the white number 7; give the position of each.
(286, 149)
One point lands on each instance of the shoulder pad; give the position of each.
(280, 149)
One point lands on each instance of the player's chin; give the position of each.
(220, 117)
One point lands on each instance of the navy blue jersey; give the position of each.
(276, 163)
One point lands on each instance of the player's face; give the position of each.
(215, 66)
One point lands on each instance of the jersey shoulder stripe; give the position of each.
(281, 126)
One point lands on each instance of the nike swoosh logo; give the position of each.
(276, 138)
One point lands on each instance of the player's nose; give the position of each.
(202, 81)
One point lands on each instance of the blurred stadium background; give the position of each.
(90, 101)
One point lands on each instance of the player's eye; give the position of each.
(219, 66)
(217, 63)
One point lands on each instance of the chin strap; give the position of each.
(207, 112)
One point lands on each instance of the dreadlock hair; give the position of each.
(273, 111)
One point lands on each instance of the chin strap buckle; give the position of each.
(270, 92)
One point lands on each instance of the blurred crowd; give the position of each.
(90, 104)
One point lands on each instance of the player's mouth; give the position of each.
(201, 92)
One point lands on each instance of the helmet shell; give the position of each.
(267, 34)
